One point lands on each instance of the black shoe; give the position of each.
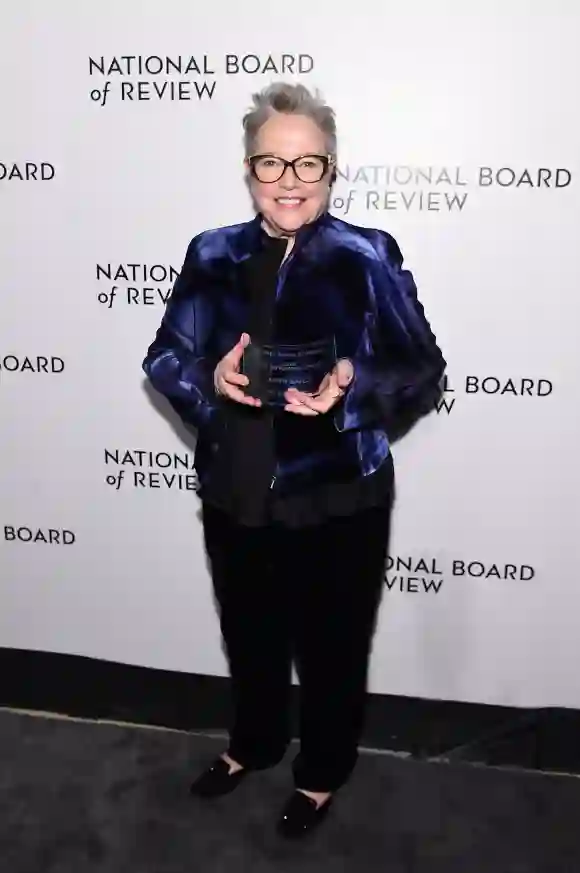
(217, 780)
(301, 815)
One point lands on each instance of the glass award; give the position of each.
(274, 368)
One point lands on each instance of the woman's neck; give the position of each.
(290, 238)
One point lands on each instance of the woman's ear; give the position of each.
(247, 173)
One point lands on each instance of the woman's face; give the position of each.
(289, 203)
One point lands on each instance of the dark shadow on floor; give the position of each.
(77, 797)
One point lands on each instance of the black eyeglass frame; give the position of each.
(327, 161)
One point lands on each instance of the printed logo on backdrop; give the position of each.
(134, 284)
(137, 468)
(409, 188)
(518, 388)
(428, 575)
(48, 536)
(181, 78)
(26, 171)
(50, 365)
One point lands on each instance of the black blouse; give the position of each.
(248, 454)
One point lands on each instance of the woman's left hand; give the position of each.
(330, 391)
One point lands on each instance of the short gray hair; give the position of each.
(293, 100)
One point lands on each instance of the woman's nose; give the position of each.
(288, 180)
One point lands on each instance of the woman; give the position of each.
(293, 343)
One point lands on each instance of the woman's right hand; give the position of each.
(227, 377)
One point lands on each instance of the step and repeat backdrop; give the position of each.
(120, 139)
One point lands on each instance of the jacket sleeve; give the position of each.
(177, 362)
(398, 366)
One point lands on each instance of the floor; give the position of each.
(77, 797)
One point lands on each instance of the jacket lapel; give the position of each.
(247, 241)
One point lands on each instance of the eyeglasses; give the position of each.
(307, 168)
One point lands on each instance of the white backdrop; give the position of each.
(458, 134)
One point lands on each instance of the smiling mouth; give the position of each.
(290, 202)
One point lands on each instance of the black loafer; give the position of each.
(301, 816)
(217, 780)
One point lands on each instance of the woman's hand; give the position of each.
(227, 376)
(330, 391)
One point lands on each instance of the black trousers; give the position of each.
(305, 595)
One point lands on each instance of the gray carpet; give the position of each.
(79, 796)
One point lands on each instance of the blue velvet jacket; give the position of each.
(339, 280)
